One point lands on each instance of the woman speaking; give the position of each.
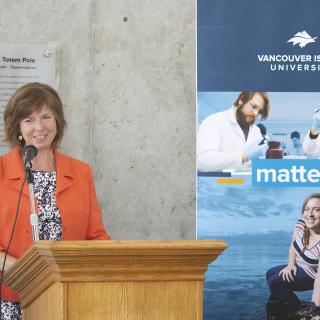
(64, 191)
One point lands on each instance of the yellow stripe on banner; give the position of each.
(230, 181)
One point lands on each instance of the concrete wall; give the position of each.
(128, 85)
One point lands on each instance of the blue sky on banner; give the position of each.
(237, 41)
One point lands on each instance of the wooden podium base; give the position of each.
(113, 280)
(119, 301)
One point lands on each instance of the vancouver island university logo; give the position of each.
(302, 39)
(283, 62)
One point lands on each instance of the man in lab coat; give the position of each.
(230, 139)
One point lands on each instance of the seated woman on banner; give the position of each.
(64, 190)
(302, 271)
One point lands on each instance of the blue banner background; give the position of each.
(231, 33)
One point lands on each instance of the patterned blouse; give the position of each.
(310, 258)
(50, 227)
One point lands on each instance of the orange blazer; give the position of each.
(75, 197)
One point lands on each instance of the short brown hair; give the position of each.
(25, 100)
(246, 96)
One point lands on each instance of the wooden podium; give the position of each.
(116, 280)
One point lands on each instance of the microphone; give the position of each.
(29, 153)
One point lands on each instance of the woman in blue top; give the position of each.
(301, 272)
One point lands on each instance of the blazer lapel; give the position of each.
(15, 174)
(64, 172)
(14, 171)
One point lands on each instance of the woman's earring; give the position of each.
(20, 138)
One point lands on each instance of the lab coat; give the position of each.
(311, 146)
(221, 142)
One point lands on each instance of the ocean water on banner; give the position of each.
(257, 224)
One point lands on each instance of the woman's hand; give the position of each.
(288, 273)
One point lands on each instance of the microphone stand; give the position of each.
(33, 215)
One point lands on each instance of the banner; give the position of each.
(258, 148)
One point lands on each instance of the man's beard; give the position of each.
(243, 120)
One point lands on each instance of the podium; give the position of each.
(116, 280)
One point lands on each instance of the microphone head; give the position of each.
(29, 152)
